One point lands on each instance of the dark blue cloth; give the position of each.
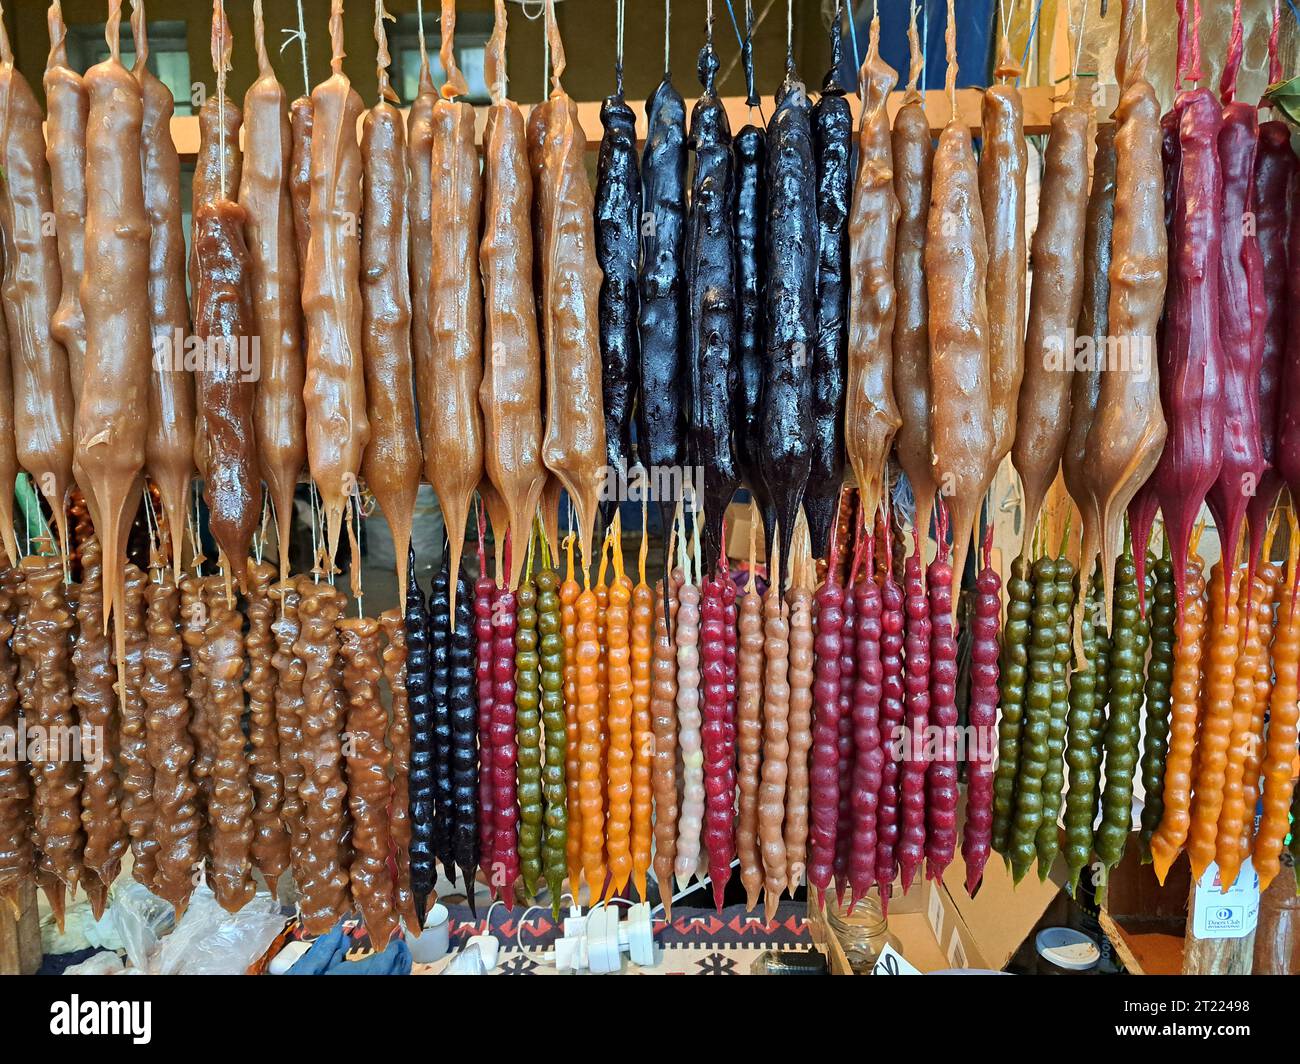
(329, 956)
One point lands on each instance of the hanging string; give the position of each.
(853, 35)
(1078, 45)
(619, 9)
(546, 63)
(668, 13)
(221, 60)
(734, 24)
(789, 35)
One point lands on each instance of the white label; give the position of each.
(1230, 914)
(891, 962)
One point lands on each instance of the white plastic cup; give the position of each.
(431, 944)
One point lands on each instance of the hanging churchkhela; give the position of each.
(825, 711)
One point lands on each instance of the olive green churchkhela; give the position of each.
(528, 735)
(1035, 748)
(1081, 797)
(1128, 655)
(550, 630)
(1048, 841)
(1160, 674)
(1013, 670)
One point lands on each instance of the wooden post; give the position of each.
(20, 939)
(1215, 956)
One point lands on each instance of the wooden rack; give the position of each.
(1039, 101)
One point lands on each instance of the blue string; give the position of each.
(853, 35)
(1033, 32)
(735, 25)
(1294, 10)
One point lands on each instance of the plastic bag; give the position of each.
(210, 941)
(141, 919)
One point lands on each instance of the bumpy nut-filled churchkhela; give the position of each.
(399, 738)
(289, 670)
(792, 242)
(451, 422)
(300, 129)
(1043, 410)
(169, 746)
(1002, 200)
(871, 416)
(573, 447)
(956, 258)
(1129, 429)
(56, 804)
(278, 419)
(65, 151)
(138, 805)
(392, 460)
(913, 150)
(618, 251)
(217, 155)
(510, 394)
(832, 128)
(324, 880)
(230, 804)
(711, 302)
(369, 790)
(16, 855)
(96, 704)
(335, 391)
(270, 846)
(169, 439)
(112, 414)
(42, 391)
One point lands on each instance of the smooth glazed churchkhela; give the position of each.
(42, 391)
(573, 446)
(393, 460)
(264, 193)
(871, 416)
(335, 392)
(510, 394)
(169, 442)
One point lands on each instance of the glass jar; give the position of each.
(861, 928)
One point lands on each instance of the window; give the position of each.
(169, 57)
(472, 32)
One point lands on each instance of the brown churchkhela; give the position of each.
(65, 150)
(1044, 406)
(871, 415)
(1086, 384)
(169, 746)
(278, 419)
(335, 394)
(419, 134)
(512, 360)
(8, 447)
(322, 879)
(1002, 199)
(289, 671)
(392, 459)
(270, 847)
(42, 392)
(573, 447)
(113, 413)
(217, 115)
(169, 443)
(300, 128)
(1128, 430)
(912, 151)
(399, 738)
(369, 789)
(138, 805)
(16, 856)
(451, 420)
(956, 260)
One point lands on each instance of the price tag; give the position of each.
(1230, 914)
(891, 962)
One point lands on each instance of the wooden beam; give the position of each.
(1038, 101)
